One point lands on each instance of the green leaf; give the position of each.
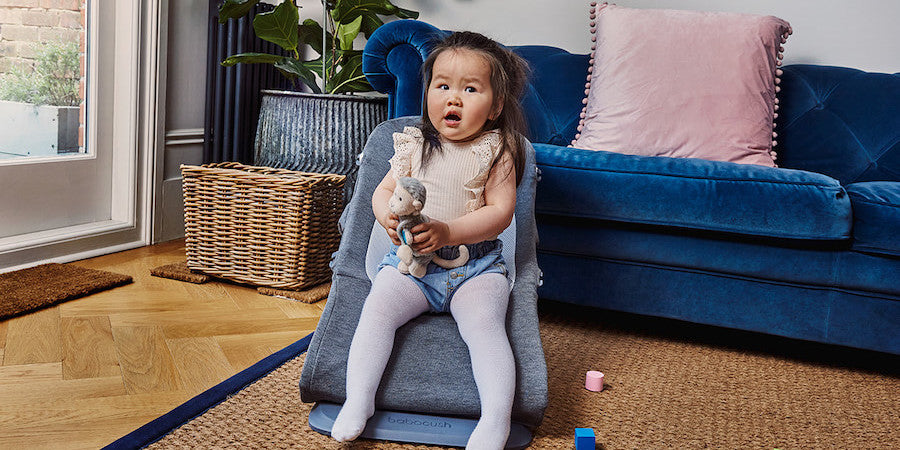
(347, 11)
(235, 9)
(279, 26)
(311, 34)
(315, 65)
(347, 33)
(406, 13)
(345, 57)
(251, 58)
(293, 68)
(350, 78)
(289, 67)
(357, 84)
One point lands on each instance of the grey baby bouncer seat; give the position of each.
(427, 394)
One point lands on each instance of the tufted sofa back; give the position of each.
(552, 101)
(840, 122)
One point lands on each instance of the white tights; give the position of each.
(479, 308)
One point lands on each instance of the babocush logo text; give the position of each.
(420, 423)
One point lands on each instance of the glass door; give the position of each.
(77, 127)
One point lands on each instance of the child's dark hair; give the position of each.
(509, 76)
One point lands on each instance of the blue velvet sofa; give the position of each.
(810, 250)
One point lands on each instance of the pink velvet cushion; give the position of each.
(682, 84)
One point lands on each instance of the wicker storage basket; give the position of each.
(263, 226)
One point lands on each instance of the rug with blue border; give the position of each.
(733, 389)
(165, 424)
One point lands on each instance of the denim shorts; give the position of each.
(439, 284)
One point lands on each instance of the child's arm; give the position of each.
(483, 223)
(380, 206)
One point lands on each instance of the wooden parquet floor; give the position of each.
(84, 373)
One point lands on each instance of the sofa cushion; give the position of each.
(691, 193)
(876, 216)
(658, 89)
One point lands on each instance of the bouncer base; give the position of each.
(411, 427)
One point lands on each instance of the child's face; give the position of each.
(460, 97)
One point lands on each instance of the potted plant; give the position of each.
(322, 131)
(40, 107)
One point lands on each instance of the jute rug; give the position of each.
(668, 385)
(25, 290)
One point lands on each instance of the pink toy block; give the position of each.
(594, 381)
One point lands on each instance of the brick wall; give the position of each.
(26, 24)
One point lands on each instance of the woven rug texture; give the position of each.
(668, 385)
(25, 290)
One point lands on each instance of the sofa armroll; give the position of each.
(392, 62)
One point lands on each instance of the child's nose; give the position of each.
(454, 100)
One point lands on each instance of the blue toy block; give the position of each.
(585, 439)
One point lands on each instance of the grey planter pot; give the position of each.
(320, 133)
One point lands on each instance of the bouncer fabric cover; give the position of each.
(429, 371)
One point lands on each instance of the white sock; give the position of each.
(393, 301)
(479, 308)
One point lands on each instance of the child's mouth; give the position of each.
(452, 119)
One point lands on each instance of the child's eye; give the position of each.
(470, 89)
(443, 87)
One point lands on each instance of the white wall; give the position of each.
(862, 34)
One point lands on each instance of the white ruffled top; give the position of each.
(455, 177)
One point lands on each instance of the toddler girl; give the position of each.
(469, 155)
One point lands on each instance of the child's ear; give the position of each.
(495, 111)
(417, 204)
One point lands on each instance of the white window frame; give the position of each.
(138, 123)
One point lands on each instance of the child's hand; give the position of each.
(392, 222)
(430, 236)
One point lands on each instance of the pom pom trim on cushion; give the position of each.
(779, 56)
(595, 11)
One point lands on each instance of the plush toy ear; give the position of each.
(417, 204)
